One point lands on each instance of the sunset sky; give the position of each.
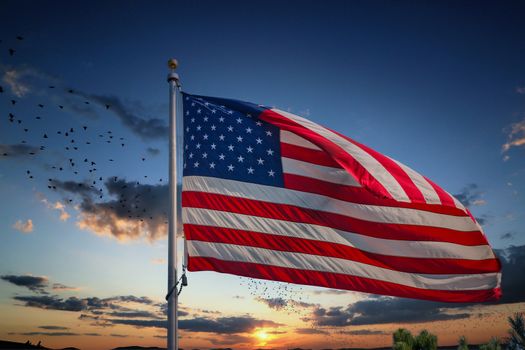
(439, 86)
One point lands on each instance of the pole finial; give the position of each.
(173, 63)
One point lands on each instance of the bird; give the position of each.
(13, 102)
(45, 136)
(1, 89)
(107, 106)
(12, 52)
(40, 105)
(19, 37)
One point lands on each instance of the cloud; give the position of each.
(33, 283)
(63, 288)
(54, 328)
(520, 90)
(133, 314)
(50, 334)
(64, 215)
(22, 80)
(137, 210)
(507, 235)
(231, 339)
(225, 325)
(331, 292)
(53, 302)
(153, 151)
(363, 332)
(145, 128)
(311, 331)
(383, 310)
(141, 323)
(281, 303)
(158, 261)
(470, 196)
(24, 226)
(515, 137)
(17, 150)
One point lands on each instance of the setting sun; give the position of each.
(262, 336)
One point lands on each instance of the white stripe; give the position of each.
(376, 169)
(421, 183)
(329, 174)
(236, 253)
(374, 213)
(294, 139)
(411, 249)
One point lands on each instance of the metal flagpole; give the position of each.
(173, 339)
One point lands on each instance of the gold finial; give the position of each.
(172, 63)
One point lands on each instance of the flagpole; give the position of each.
(173, 339)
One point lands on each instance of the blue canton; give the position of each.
(224, 138)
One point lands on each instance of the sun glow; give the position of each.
(262, 336)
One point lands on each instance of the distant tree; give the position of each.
(493, 344)
(463, 343)
(425, 341)
(402, 340)
(517, 332)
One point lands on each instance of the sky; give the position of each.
(439, 86)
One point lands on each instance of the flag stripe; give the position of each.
(415, 249)
(348, 153)
(339, 222)
(294, 139)
(237, 253)
(327, 174)
(426, 189)
(326, 248)
(337, 280)
(381, 214)
(308, 155)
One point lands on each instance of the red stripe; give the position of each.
(308, 155)
(337, 221)
(444, 197)
(335, 250)
(394, 169)
(345, 160)
(358, 195)
(338, 281)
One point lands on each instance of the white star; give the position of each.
(213, 127)
(250, 170)
(221, 137)
(230, 128)
(192, 137)
(205, 155)
(249, 115)
(205, 136)
(239, 120)
(199, 128)
(270, 152)
(193, 104)
(213, 111)
(185, 165)
(271, 173)
(240, 159)
(213, 146)
(239, 138)
(199, 111)
(269, 133)
(259, 124)
(187, 98)
(212, 165)
(230, 112)
(187, 112)
(196, 164)
(230, 148)
(192, 120)
(258, 140)
(249, 149)
(190, 156)
(188, 129)
(260, 161)
(230, 167)
(249, 130)
(221, 119)
(221, 156)
(186, 147)
(205, 119)
(206, 104)
(197, 146)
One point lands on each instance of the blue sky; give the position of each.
(439, 86)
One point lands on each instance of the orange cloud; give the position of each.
(24, 226)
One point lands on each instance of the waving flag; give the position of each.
(271, 195)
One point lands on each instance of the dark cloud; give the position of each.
(93, 334)
(50, 334)
(136, 210)
(331, 292)
(470, 195)
(507, 235)
(145, 128)
(54, 328)
(231, 339)
(225, 325)
(53, 302)
(33, 283)
(311, 331)
(134, 314)
(153, 151)
(382, 310)
(363, 332)
(118, 335)
(17, 150)
(141, 323)
(281, 303)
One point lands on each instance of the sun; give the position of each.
(262, 336)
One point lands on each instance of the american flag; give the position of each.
(268, 194)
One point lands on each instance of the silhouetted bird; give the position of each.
(61, 107)
(20, 37)
(51, 87)
(38, 117)
(45, 136)
(11, 52)
(85, 127)
(40, 105)
(70, 91)
(13, 102)
(107, 106)
(1, 89)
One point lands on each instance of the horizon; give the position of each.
(439, 86)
